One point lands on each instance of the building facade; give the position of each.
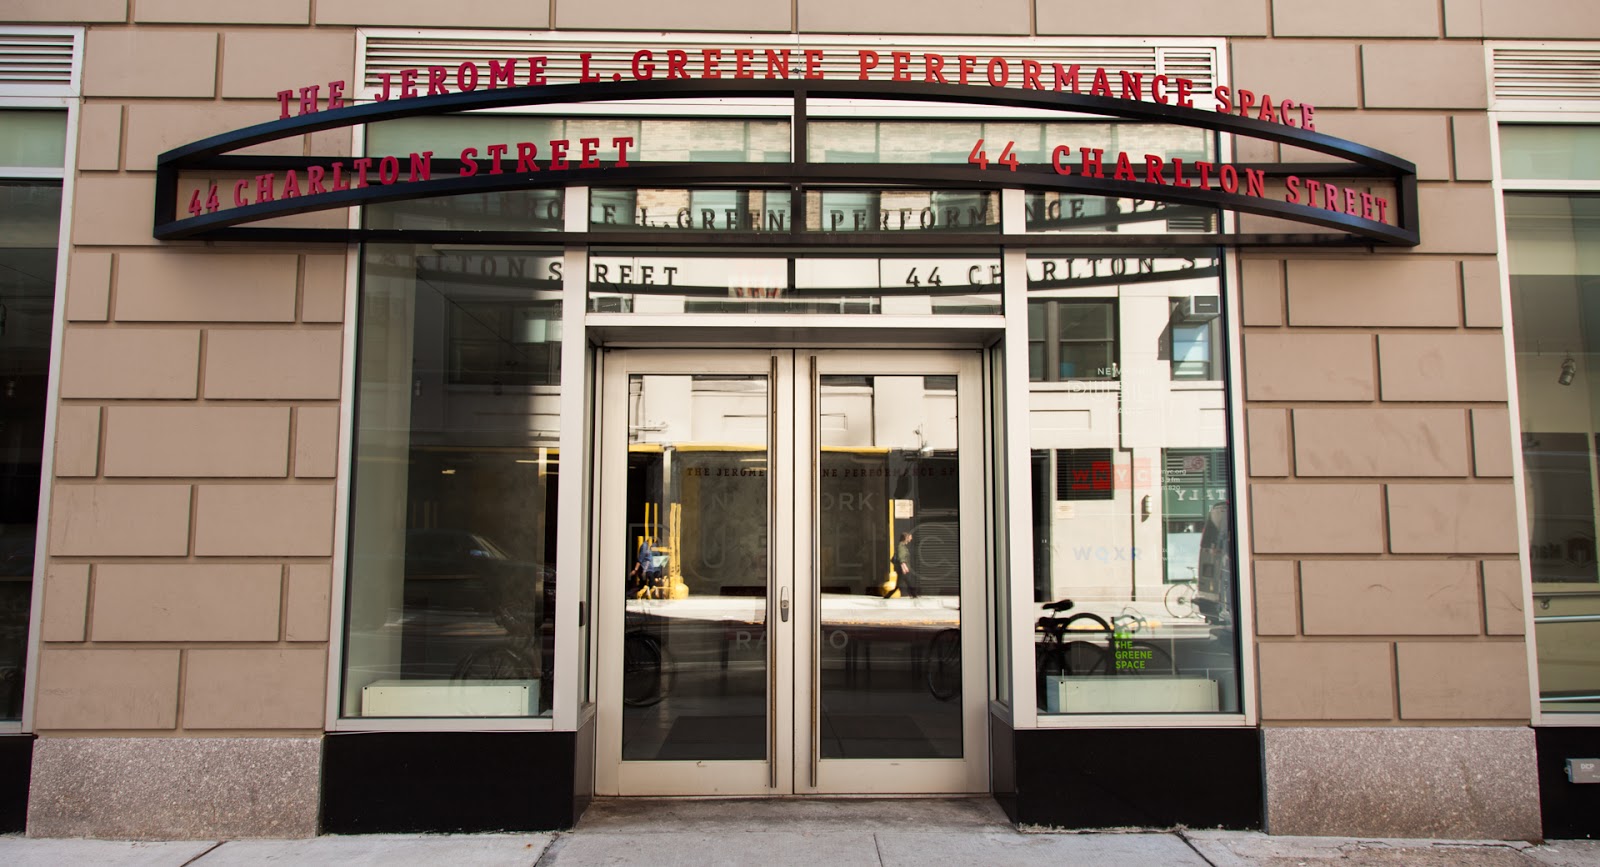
(1176, 415)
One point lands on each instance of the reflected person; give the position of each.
(905, 578)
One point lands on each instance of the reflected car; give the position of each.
(459, 571)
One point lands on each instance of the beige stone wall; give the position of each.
(1383, 516)
(191, 525)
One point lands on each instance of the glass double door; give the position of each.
(791, 592)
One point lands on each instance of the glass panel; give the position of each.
(33, 139)
(1557, 151)
(654, 140)
(30, 221)
(453, 530)
(700, 210)
(1069, 213)
(1554, 253)
(1191, 352)
(1087, 361)
(1073, 329)
(888, 530)
(870, 141)
(717, 283)
(1133, 532)
(513, 210)
(902, 211)
(694, 652)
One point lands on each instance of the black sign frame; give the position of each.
(213, 154)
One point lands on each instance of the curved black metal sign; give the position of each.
(1315, 194)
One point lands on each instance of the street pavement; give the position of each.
(836, 832)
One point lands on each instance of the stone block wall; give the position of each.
(191, 523)
(1389, 599)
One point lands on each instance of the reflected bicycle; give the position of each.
(1071, 647)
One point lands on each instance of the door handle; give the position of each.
(783, 605)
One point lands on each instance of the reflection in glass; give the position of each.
(725, 283)
(1554, 253)
(928, 211)
(1052, 211)
(694, 651)
(888, 499)
(1074, 330)
(511, 210)
(912, 141)
(1131, 473)
(30, 221)
(453, 539)
(654, 140)
(697, 210)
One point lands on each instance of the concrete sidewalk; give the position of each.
(842, 832)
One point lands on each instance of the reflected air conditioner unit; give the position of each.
(1199, 308)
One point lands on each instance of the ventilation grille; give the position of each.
(387, 53)
(1553, 74)
(43, 62)
(1193, 467)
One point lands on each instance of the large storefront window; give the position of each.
(30, 221)
(1554, 263)
(451, 608)
(1131, 468)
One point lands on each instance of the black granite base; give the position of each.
(16, 772)
(1569, 811)
(440, 782)
(1003, 764)
(1143, 778)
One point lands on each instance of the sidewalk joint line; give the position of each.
(548, 856)
(878, 848)
(214, 847)
(1190, 843)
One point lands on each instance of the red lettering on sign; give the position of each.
(778, 63)
(1224, 100)
(526, 152)
(867, 60)
(436, 75)
(902, 66)
(677, 62)
(1003, 77)
(741, 63)
(1152, 170)
(1055, 160)
(813, 63)
(1030, 75)
(1132, 85)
